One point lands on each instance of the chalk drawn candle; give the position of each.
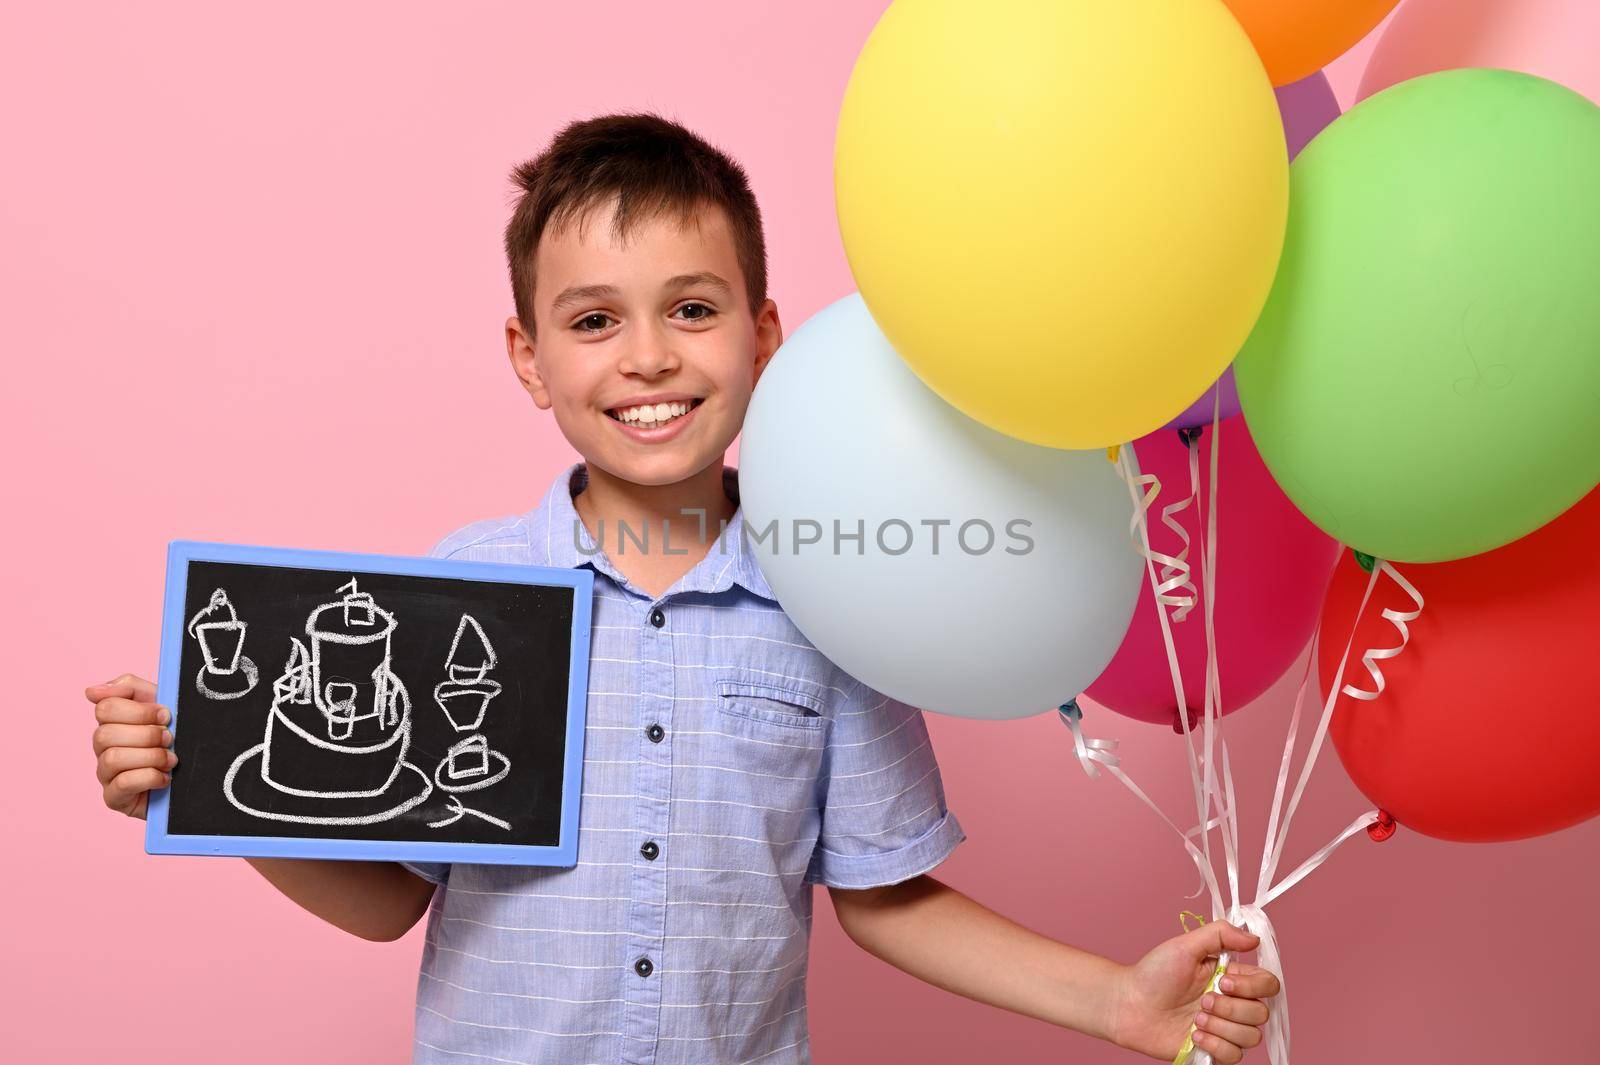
(350, 663)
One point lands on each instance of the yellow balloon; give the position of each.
(1065, 215)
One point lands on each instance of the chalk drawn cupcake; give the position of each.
(227, 673)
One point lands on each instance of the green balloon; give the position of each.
(1424, 380)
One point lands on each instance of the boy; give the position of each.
(729, 766)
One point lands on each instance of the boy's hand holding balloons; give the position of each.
(1165, 993)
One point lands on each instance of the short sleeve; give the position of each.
(884, 818)
(432, 872)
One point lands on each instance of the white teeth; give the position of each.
(652, 414)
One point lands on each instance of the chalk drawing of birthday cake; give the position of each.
(336, 740)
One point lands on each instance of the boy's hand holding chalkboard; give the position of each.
(131, 742)
(371, 709)
(374, 708)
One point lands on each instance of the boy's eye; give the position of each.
(592, 323)
(706, 312)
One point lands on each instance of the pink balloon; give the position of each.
(1555, 39)
(1306, 107)
(1273, 568)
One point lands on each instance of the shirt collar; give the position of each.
(730, 560)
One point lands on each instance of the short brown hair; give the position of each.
(654, 166)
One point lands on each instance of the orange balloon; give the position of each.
(1297, 38)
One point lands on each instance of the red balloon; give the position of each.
(1488, 728)
(1272, 569)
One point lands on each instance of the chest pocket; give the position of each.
(788, 706)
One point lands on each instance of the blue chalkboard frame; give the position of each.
(182, 552)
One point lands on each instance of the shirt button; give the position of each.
(657, 618)
(656, 733)
(643, 967)
(650, 850)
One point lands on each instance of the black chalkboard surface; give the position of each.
(362, 706)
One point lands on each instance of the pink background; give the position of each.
(230, 237)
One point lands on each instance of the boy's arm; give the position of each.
(944, 938)
(379, 901)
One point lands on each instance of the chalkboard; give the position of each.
(332, 705)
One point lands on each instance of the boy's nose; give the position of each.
(649, 355)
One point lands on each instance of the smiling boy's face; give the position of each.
(622, 329)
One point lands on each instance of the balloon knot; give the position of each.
(1190, 436)
(1383, 827)
(1177, 721)
(1364, 560)
(1071, 710)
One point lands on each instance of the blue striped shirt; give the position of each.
(729, 766)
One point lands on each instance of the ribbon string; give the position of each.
(1141, 504)
(1094, 753)
(1179, 569)
(1213, 683)
(1174, 568)
(1091, 753)
(1214, 789)
(1274, 851)
(1399, 619)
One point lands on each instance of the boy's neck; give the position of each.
(642, 507)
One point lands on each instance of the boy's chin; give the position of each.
(656, 464)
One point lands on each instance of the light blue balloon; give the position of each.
(841, 437)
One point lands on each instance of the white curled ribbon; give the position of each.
(1175, 575)
(1091, 753)
(1399, 619)
(1179, 568)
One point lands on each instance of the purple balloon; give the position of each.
(1306, 106)
(1198, 413)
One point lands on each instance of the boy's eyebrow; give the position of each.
(704, 277)
(576, 294)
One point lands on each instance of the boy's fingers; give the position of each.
(143, 690)
(1240, 1035)
(1243, 1036)
(1249, 981)
(1213, 938)
(107, 736)
(117, 760)
(127, 686)
(122, 711)
(123, 791)
(1221, 1051)
(1239, 1010)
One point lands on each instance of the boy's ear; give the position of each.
(520, 348)
(769, 337)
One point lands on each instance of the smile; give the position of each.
(652, 415)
